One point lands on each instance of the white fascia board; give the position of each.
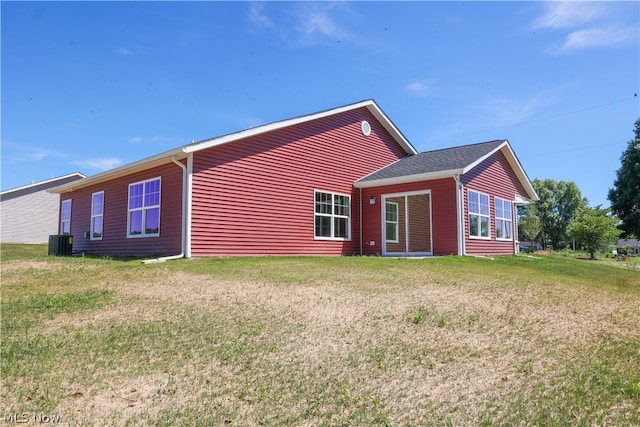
(408, 179)
(483, 158)
(515, 165)
(391, 128)
(369, 104)
(140, 165)
(48, 181)
(521, 174)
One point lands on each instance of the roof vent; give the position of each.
(366, 128)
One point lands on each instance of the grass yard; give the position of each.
(319, 341)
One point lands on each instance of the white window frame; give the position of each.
(95, 215)
(143, 209)
(386, 222)
(505, 219)
(63, 219)
(332, 215)
(479, 214)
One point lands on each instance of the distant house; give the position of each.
(29, 214)
(343, 181)
(632, 244)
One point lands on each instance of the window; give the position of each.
(332, 216)
(97, 211)
(503, 219)
(478, 215)
(65, 217)
(391, 221)
(144, 209)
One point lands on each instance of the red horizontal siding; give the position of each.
(116, 193)
(256, 196)
(496, 178)
(443, 215)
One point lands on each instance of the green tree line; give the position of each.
(561, 217)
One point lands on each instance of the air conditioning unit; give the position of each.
(60, 244)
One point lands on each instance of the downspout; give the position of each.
(189, 210)
(462, 250)
(514, 220)
(360, 225)
(184, 219)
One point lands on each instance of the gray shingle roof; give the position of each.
(446, 159)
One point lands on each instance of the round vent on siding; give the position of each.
(366, 128)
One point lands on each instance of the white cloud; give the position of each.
(586, 24)
(568, 14)
(315, 19)
(509, 112)
(35, 155)
(136, 140)
(123, 51)
(419, 87)
(127, 50)
(102, 164)
(301, 24)
(258, 17)
(594, 37)
(26, 153)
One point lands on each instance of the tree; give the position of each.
(558, 205)
(594, 228)
(625, 194)
(530, 228)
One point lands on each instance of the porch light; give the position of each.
(372, 200)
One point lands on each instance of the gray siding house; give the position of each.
(29, 214)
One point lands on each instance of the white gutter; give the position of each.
(183, 241)
(462, 250)
(405, 179)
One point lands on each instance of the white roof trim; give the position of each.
(48, 181)
(408, 178)
(369, 104)
(509, 154)
(486, 156)
(505, 147)
(184, 151)
(127, 169)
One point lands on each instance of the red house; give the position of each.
(343, 181)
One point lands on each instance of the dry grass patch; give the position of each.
(316, 341)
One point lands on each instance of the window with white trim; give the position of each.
(65, 217)
(97, 213)
(504, 219)
(144, 209)
(391, 221)
(479, 215)
(332, 216)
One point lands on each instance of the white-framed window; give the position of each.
(504, 219)
(391, 221)
(65, 217)
(332, 216)
(97, 214)
(479, 215)
(144, 209)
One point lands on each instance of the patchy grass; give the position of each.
(320, 341)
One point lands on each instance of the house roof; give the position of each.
(183, 151)
(40, 185)
(445, 163)
(633, 243)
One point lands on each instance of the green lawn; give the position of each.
(319, 341)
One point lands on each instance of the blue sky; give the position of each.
(88, 86)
